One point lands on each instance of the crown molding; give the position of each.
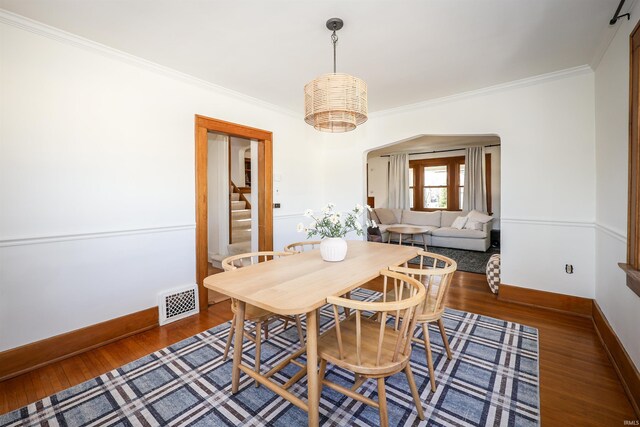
(65, 37)
(529, 81)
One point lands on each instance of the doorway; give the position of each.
(263, 186)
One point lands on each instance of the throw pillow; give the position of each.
(479, 217)
(473, 225)
(386, 216)
(459, 222)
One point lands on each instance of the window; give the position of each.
(438, 184)
(434, 189)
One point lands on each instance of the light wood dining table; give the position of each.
(300, 284)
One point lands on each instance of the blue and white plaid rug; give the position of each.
(491, 380)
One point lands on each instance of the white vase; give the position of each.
(333, 249)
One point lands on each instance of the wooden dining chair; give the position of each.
(435, 273)
(259, 316)
(372, 349)
(299, 247)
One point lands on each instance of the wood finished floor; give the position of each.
(578, 385)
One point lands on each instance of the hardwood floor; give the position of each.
(578, 385)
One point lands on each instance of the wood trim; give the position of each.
(232, 129)
(487, 161)
(28, 357)
(633, 277)
(230, 240)
(265, 196)
(265, 190)
(551, 300)
(622, 363)
(453, 181)
(632, 266)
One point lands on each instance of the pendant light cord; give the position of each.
(334, 40)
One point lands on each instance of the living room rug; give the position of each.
(470, 261)
(493, 379)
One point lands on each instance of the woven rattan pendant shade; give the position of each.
(335, 102)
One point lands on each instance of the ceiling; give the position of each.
(430, 143)
(406, 50)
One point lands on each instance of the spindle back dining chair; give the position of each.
(259, 316)
(370, 348)
(435, 272)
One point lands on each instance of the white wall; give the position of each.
(620, 305)
(238, 148)
(378, 178)
(97, 179)
(217, 194)
(378, 181)
(547, 162)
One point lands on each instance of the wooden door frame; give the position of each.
(264, 186)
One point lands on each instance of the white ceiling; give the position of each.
(406, 50)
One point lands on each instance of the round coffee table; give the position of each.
(410, 230)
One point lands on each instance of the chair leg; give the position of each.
(414, 391)
(323, 370)
(258, 342)
(382, 401)
(300, 333)
(230, 337)
(347, 311)
(444, 338)
(427, 346)
(266, 330)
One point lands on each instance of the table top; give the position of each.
(403, 229)
(301, 283)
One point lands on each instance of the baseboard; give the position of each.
(28, 357)
(622, 363)
(559, 302)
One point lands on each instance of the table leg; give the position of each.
(399, 238)
(237, 347)
(312, 368)
(424, 242)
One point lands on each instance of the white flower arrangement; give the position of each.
(334, 224)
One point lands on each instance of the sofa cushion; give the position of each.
(373, 216)
(473, 225)
(388, 216)
(454, 232)
(460, 223)
(421, 218)
(449, 216)
(478, 216)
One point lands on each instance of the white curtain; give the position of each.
(399, 181)
(475, 184)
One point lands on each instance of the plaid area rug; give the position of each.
(491, 380)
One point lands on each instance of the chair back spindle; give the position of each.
(410, 294)
(299, 247)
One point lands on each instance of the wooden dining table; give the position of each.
(300, 284)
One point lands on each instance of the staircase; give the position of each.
(240, 229)
(240, 225)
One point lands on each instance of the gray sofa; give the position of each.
(438, 223)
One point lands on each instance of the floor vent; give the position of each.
(178, 303)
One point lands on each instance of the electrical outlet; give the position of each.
(568, 268)
(276, 205)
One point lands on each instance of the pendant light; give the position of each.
(335, 102)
